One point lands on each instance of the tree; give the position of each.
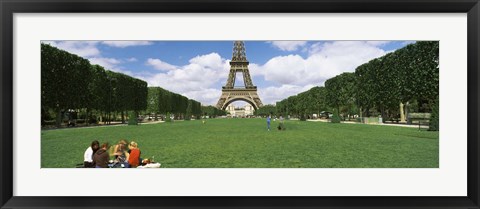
(70, 83)
(292, 106)
(340, 91)
(99, 89)
(266, 110)
(435, 117)
(317, 100)
(65, 80)
(189, 111)
(406, 75)
(212, 111)
(153, 101)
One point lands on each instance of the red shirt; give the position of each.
(134, 158)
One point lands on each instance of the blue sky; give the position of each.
(198, 69)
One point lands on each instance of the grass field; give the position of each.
(245, 143)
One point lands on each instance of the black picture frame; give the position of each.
(10, 7)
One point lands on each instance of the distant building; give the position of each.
(240, 112)
(249, 109)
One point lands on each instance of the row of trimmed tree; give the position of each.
(266, 110)
(163, 102)
(212, 111)
(388, 86)
(304, 104)
(70, 84)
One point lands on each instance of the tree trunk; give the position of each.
(382, 109)
(87, 117)
(59, 118)
(406, 111)
(123, 117)
(361, 115)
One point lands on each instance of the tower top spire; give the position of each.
(239, 54)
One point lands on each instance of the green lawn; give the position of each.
(245, 143)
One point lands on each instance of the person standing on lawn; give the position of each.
(268, 122)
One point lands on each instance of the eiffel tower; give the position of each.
(247, 93)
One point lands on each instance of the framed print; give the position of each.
(239, 104)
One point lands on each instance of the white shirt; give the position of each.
(87, 157)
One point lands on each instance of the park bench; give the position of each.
(394, 119)
(422, 118)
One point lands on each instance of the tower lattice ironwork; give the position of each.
(248, 92)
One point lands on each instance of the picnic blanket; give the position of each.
(150, 165)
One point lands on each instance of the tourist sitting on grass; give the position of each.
(101, 157)
(120, 154)
(120, 151)
(134, 156)
(88, 155)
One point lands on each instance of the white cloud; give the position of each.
(208, 96)
(212, 60)
(272, 94)
(132, 59)
(202, 77)
(108, 63)
(80, 48)
(408, 42)
(389, 51)
(160, 65)
(255, 70)
(123, 44)
(293, 74)
(288, 45)
(378, 43)
(325, 60)
(197, 80)
(111, 64)
(89, 50)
